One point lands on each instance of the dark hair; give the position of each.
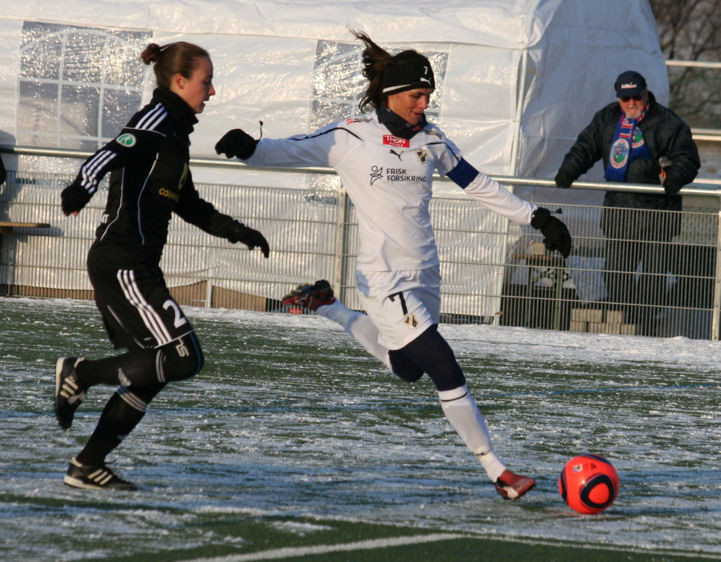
(375, 59)
(171, 59)
(390, 74)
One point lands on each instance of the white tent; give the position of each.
(516, 80)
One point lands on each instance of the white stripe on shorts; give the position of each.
(151, 319)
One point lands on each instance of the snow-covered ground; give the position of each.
(290, 419)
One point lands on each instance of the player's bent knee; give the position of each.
(404, 367)
(447, 376)
(434, 356)
(182, 358)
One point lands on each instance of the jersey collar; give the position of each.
(180, 112)
(397, 125)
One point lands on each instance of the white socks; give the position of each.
(359, 327)
(457, 404)
(463, 413)
(336, 311)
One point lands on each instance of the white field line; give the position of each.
(291, 552)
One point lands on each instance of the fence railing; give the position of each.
(661, 277)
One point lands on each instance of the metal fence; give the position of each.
(632, 271)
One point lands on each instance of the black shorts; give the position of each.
(137, 309)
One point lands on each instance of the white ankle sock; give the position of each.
(336, 311)
(463, 413)
(359, 327)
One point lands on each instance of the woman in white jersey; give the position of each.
(386, 161)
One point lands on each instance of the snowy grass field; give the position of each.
(292, 443)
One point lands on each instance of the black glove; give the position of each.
(555, 233)
(670, 186)
(562, 179)
(236, 143)
(74, 197)
(249, 237)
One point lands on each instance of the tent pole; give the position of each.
(520, 96)
(520, 93)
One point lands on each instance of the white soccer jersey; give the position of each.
(389, 180)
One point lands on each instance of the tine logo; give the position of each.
(392, 140)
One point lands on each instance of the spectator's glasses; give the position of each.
(626, 99)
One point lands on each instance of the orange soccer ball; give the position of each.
(588, 484)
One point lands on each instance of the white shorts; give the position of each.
(401, 304)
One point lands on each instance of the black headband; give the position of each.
(407, 71)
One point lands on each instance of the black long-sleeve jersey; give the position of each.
(149, 180)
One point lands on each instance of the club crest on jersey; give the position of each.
(422, 155)
(392, 140)
(126, 139)
(410, 321)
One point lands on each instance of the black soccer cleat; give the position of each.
(512, 486)
(68, 392)
(309, 296)
(95, 478)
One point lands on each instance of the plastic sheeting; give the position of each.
(501, 23)
(518, 79)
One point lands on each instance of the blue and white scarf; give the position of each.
(627, 145)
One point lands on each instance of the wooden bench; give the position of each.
(8, 226)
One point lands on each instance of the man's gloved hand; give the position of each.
(74, 198)
(555, 233)
(670, 186)
(236, 142)
(562, 179)
(249, 237)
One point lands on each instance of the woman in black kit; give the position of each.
(149, 180)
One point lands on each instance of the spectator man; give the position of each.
(639, 141)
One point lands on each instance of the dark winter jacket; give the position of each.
(149, 180)
(665, 134)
